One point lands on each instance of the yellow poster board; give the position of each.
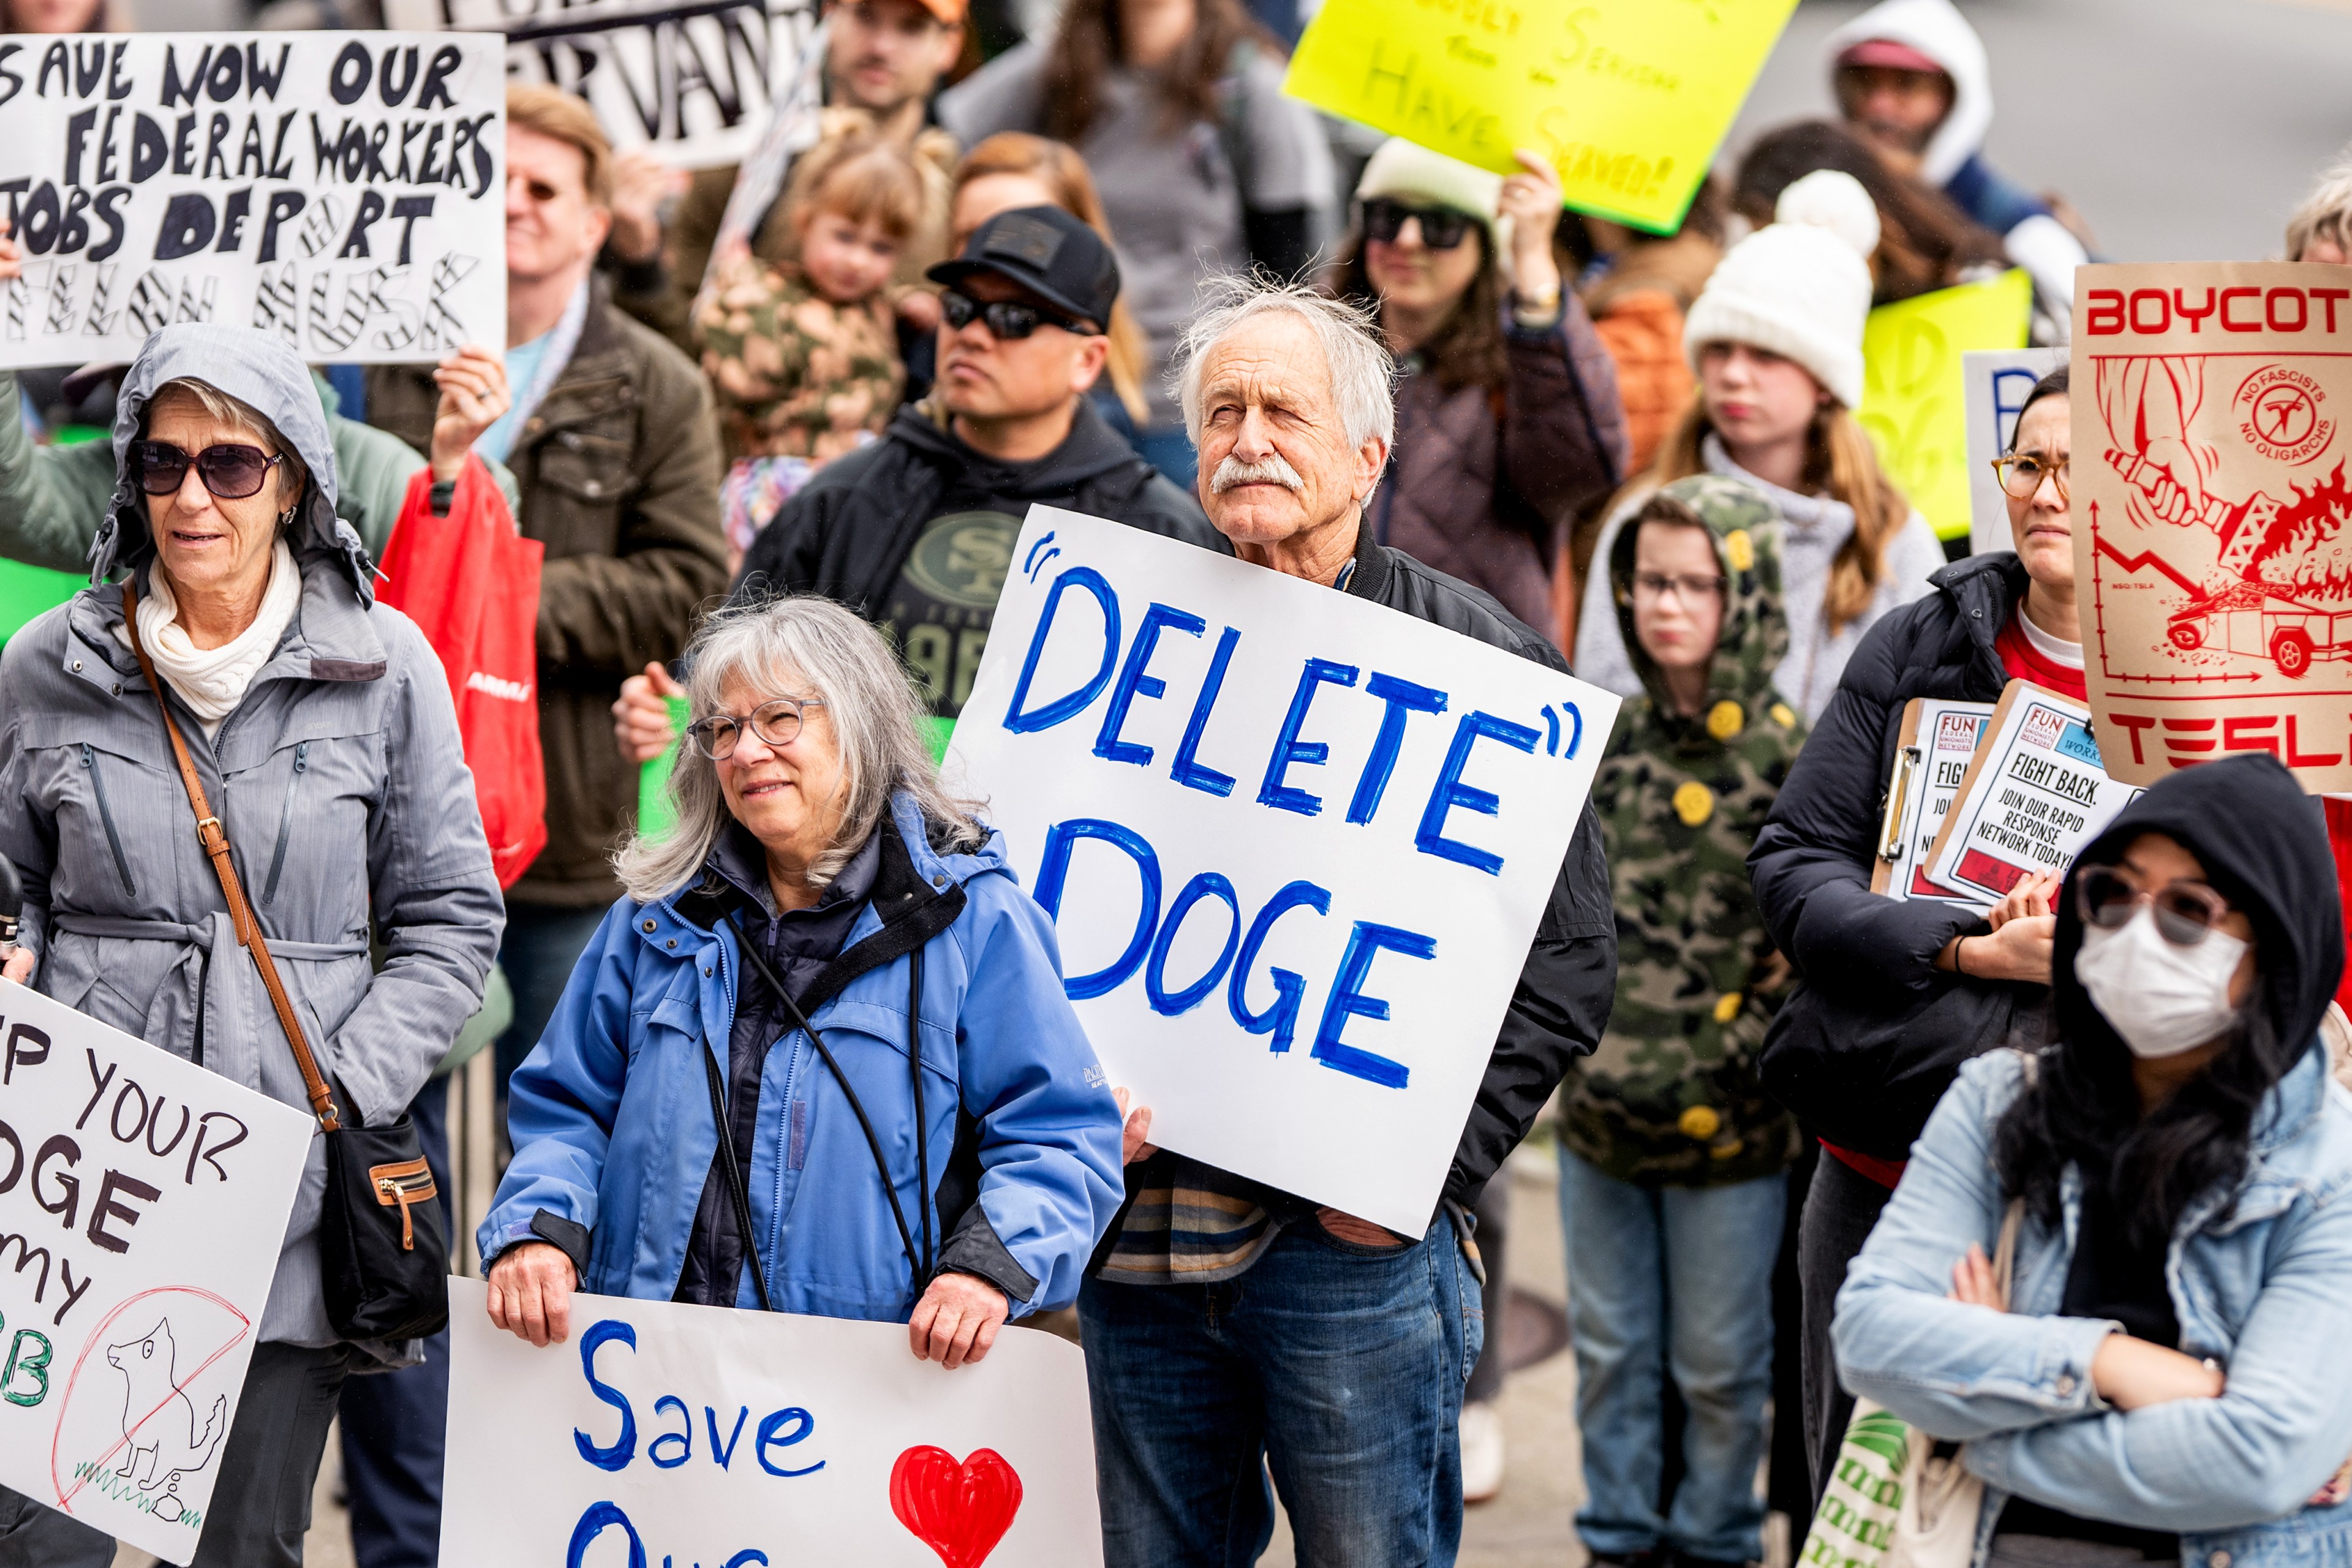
(1629, 99)
(1913, 402)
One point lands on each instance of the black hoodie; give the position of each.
(850, 533)
(2264, 845)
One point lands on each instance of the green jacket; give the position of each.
(1671, 1095)
(52, 498)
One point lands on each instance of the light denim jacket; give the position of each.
(2263, 1288)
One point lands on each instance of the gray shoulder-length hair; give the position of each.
(802, 645)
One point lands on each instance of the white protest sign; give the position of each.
(2036, 793)
(1295, 844)
(689, 81)
(345, 191)
(1933, 762)
(1993, 384)
(142, 1204)
(669, 1434)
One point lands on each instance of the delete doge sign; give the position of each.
(1296, 846)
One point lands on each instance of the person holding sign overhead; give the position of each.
(1894, 996)
(318, 725)
(910, 1126)
(1231, 1326)
(1776, 340)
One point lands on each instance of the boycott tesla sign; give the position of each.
(1295, 845)
(2210, 506)
(328, 188)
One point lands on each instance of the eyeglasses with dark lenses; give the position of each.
(776, 721)
(230, 472)
(2186, 912)
(1005, 319)
(1442, 228)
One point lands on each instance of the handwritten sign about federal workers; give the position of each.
(1912, 399)
(1295, 845)
(1995, 384)
(142, 1204)
(660, 1433)
(345, 191)
(2035, 793)
(2210, 500)
(1628, 99)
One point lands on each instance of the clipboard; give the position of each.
(2037, 748)
(1935, 740)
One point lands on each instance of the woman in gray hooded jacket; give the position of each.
(322, 731)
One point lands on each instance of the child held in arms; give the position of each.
(1673, 1176)
(803, 357)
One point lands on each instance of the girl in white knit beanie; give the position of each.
(1776, 339)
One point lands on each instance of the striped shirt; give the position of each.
(1192, 1223)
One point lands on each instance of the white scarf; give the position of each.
(213, 681)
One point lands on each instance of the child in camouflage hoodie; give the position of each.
(1672, 1186)
(803, 358)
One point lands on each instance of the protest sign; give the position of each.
(1295, 846)
(2035, 793)
(1994, 383)
(142, 1204)
(1937, 742)
(1912, 396)
(2210, 503)
(1628, 99)
(689, 81)
(669, 1434)
(345, 191)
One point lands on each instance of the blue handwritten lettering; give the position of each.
(1133, 683)
(1451, 792)
(771, 1435)
(601, 1517)
(1208, 884)
(1289, 749)
(1187, 771)
(1347, 998)
(1281, 1019)
(1054, 870)
(724, 1452)
(624, 1447)
(683, 1439)
(1404, 698)
(1071, 705)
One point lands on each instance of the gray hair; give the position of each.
(2326, 213)
(1362, 370)
(802, 644)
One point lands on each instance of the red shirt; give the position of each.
(2025, 662)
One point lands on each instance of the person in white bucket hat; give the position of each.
(1776, 341)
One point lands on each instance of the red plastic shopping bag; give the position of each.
(471, 585)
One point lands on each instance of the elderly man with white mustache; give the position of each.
(1231, 1326)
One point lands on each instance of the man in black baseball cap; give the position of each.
(915, 531)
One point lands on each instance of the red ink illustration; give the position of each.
(959, 1511)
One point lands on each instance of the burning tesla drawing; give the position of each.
(2212, 512)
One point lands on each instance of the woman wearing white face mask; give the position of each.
(2170, 1378)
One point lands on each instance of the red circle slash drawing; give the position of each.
(2284, 416)
(960, 1512)
(144, 1360)
(2282, 413)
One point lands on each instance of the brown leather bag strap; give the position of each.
(215, 838)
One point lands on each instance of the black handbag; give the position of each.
(384, 1245)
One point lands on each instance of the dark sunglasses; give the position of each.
(230, 472)
(1005, 319)
(1442, 228)
(2186, 912)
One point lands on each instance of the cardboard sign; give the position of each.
(1628, 99)
(1995, 384)
(2034, 795)
(2210, 500)
(142, 1204)
(669, 1434)
(1937, 742)
(345, 191)
(689, 81)
(1295, 845)
(1913, 395)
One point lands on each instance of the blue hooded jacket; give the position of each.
(611, 1114)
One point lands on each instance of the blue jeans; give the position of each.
(1671, 1279)
(541, 946)
(1338, 1366)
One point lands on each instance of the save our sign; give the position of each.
(682, 1435)
(142, 1202)
(1295, 845)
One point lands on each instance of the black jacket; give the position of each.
(1569, 979)
(847, 533)
(1873, 1034)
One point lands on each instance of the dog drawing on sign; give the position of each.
(159, 1424)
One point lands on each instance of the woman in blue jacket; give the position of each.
(829, 957)
(2172, 1377)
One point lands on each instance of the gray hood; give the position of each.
(1938, 30)
(260, 371)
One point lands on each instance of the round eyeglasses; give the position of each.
(776, 721)
(2186, 912)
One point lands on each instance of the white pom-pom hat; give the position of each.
(1800, 288)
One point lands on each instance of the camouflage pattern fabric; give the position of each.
(794, 374)
(1671, 1095)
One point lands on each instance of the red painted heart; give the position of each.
(960, 1512)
